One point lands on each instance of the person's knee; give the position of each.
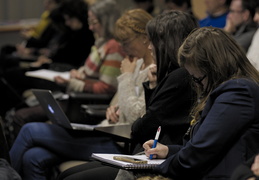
(38, 161)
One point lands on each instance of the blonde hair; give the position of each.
(131, 24)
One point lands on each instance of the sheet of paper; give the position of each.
(47, 74)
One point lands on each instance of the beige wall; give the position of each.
(199, 8)
(22, 9)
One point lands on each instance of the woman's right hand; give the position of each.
(128, 64)
(61, 81)
(160, 151)
(74, 73)
(112, 114)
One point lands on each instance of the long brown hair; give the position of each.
(215, 54)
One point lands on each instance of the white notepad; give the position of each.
(47, 74)
(108, 158)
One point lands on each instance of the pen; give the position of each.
(155, 140)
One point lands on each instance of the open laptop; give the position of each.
(55, 113)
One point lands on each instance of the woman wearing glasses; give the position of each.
(225, 129)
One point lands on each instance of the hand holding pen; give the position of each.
(160, 150)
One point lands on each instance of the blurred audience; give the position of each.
(69, 52)
(34, 34)
(101, 68)
(217, 11)
(35, 39)
(240, 22)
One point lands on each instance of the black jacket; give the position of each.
(168, 106)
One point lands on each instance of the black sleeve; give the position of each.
(169, 108)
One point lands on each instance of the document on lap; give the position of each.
(110, 160)
(47, 74)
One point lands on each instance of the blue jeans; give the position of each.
(41, 146)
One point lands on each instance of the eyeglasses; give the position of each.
(198, 80)
(92, 22)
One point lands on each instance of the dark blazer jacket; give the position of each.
(226, 135)
(168, 106)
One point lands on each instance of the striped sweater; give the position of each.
(101, 70)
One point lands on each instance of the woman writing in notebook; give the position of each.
(41, 146)
(225, 127)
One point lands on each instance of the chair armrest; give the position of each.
(95, 110)
(89, 96)
(76, 99)
(95, 106)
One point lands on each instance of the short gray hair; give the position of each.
(107, 13)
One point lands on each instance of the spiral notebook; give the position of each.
(108, 159)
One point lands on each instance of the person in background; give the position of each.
(226, 115)
(253, 53)
(54, 144)
(101, 68)
(181, 5)
(70, 51)
(77, 43)
(36, 39)
(240, 22)
(147, 5)
(169, 101)
(217, 11)
(33, 35)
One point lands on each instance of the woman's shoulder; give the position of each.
(112, 46)
(112, 43)
(239, 84)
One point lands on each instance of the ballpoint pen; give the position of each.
(155, 140)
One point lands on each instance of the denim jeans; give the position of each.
(40, 146)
